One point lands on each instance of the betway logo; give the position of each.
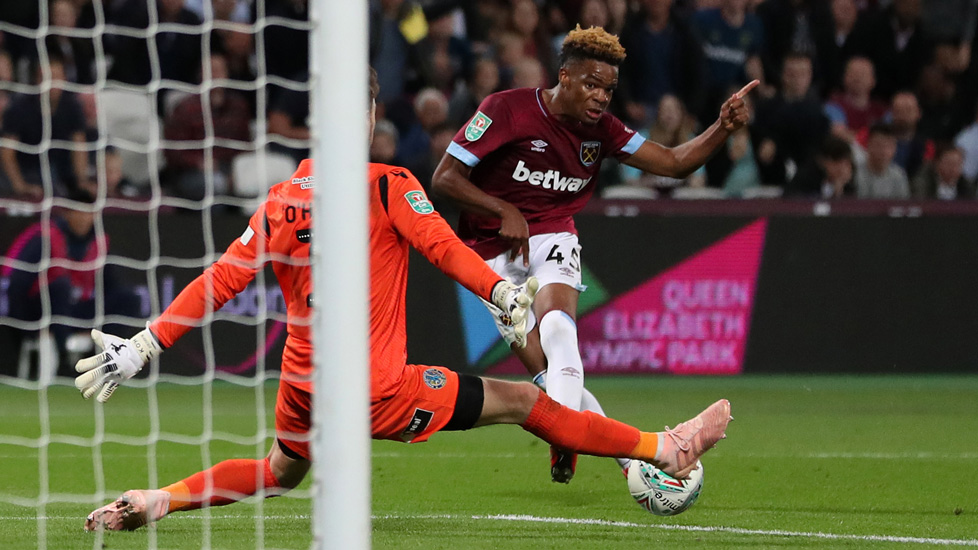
(551, 179)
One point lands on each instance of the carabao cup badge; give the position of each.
(419, 202)
(589, 152)
(480, 123)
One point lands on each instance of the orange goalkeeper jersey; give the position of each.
(280, 231)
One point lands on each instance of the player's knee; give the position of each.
(288, 471)
(524, 398)
(558, 324)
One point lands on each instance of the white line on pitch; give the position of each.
(923, 455)
(586, 521)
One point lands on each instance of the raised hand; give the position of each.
(734, 113)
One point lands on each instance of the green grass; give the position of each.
(847, 456)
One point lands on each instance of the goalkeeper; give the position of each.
(408, 402)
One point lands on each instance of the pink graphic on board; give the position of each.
(692, 319)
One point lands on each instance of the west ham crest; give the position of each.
(589, 152)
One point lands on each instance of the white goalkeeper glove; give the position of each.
(515, 301)
(119, 361)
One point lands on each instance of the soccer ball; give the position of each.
(660, 493)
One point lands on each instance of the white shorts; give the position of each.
(554, 258)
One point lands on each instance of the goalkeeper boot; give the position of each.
(562, 465)
(130, 511)
(680, 448)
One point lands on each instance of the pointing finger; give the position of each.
(746, 89)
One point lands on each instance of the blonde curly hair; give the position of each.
(592, 43)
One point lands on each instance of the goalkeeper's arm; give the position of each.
(121, 359)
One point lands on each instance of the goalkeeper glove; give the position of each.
(515, 301)
(120, 360)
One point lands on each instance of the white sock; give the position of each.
(588, 403)
(565, 372)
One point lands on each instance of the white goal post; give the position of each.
(341, 442)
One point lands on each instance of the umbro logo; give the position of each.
(539, 145)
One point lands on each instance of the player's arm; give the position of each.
(451, 180)
(413, 217)
(683, 160)
(489, 130)
(121, 359)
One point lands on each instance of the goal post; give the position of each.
(341, 439)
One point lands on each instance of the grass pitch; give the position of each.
(810, 462)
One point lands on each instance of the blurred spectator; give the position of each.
(940, 110)
(913, 149)
(78, 54)
(397, 28)
(509, 52)
(451, 56)
(952, 22)
(23, 122)
(967, 141)
(286, 46)
(731, 36)
(234, 11)
(465, 101)
(743, 174)
(673, 126)
(72, 289)
(383, 148)
(238, 49)
(430, 111)
(287, 114)
(524, 21)
(835, 47)
(852, 110)
(664, 57)
(829, 175)
(592, 13)
(895, 42)
(6, 77)
(944, 179)
(877, 176)
(792, 27)
(529, 73)
(617, 14)
(226, 117)
(178, 53)
(116, 184)
(789, 127)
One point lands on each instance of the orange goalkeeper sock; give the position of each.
(223, 483)
(588, 433)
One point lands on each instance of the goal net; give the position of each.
(133, 201)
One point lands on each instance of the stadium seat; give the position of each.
(698, 193)
(628, 192)
(131, 124)
(249, 181)
(39, 350)
(763, 192)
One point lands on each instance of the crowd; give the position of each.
(862, 98)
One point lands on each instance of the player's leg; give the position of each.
(228, 481)
(675, 451)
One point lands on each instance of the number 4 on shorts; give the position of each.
(555, 255)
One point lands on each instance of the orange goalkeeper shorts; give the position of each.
(423, 404)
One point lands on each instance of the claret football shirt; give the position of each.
(521, 153)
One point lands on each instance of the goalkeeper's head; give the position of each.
(588, 76)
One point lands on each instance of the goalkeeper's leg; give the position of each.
(229, 481)
(224, 483)
(675, 451)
